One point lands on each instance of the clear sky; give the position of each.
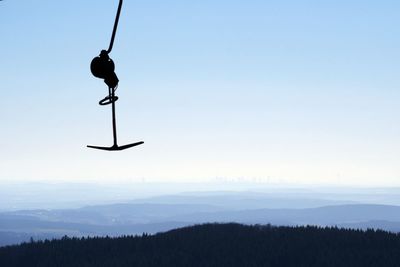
(296, 91)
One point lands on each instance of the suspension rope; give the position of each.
(115, 27)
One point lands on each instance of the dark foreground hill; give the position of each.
(216, 245)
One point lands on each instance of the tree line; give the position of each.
(228, 245)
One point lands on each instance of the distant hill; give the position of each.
(216, 245)
(136, 218)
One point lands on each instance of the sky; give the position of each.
(268, 91)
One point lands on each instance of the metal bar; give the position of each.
(114, 122)
(115, 27)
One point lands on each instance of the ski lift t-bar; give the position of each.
(103, 67)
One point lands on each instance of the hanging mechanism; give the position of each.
(103, 67)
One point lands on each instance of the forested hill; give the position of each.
(216, 245)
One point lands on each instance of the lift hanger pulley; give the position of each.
(103, 67)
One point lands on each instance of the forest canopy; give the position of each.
(216, 245)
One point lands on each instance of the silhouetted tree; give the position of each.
(216, 245)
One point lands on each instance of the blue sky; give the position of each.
(294, 91)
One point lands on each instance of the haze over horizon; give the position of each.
(300, 93)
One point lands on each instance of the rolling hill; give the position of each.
(136, 218)
(216, 245)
